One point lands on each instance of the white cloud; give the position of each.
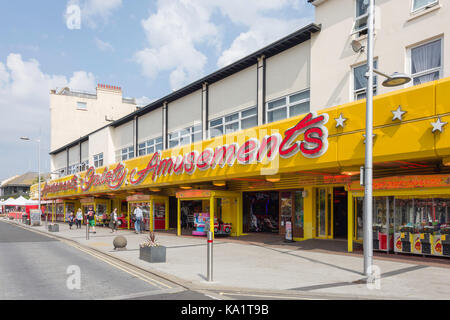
(24, 107)
(173, 33)
(263, 23)
(103, 45)
(178, 29)
(94, 11)
(143, 101)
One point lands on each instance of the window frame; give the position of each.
(97, 158)
(360, 31)
(288, 104)
(429, 71)
(150, 143)
(125, 151)
(83, 103)
(424, 7)
(238, 120)
(356, 92)
(84, 165)
(187, 132)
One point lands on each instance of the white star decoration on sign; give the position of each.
(398, 114)
(373, 137)
(340, 121)
(437, 126)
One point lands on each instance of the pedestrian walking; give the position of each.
(104, 218)
(113, 221)
(91, 219)
(138, 216)
(71, 218)
(79, 218)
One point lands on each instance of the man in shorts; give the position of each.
(91, 218)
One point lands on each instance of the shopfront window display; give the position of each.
(145, 207)
(159, 220)
(59, 212)
(383, 223)
(422, 225)
(69, 208)
(263, 211)
(99, 211)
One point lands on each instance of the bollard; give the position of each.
(210, 256)
(87, 230)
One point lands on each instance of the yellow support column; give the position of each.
(211, 215)
(350, 222)
(308, 217)
(128, 216)
(53, 212)
(178, 218)
(151, 214)
(240, 216)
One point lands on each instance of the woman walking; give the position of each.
(113, 222)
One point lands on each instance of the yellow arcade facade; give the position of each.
(310, 163)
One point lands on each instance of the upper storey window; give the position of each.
(423, 4)
(426, 62)
(360, 24)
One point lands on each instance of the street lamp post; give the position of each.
(368, 165)
(39, 174)
(396, 79)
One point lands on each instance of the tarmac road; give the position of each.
(33, 266)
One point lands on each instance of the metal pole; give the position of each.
(39, 178)
(87, 228)
(210, 255)
(368, 205)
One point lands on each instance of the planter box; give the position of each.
(153, 254)
(53, 227)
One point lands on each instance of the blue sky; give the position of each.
(148, 48)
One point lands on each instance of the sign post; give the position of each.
(209, 257)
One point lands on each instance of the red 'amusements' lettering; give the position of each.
(251, 151)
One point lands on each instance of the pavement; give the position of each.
(272, 266)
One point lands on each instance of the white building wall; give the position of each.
(185, 111)
(85, 150)
(58, 161)
(288, 72)
(123, 135)
(397, 29)
(69, 123)
(102, 142)
(234, 93)
(150, 125)
(74, 155)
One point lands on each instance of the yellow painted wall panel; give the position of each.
(417, 101)
(412, 140)
(443, 96)
(355, 113)
(442, 139)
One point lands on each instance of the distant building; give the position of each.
(19, 185)
(75, 114)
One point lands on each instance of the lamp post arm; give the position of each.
(381, 73)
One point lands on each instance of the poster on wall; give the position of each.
(288, 234)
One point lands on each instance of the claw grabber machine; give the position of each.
(383, 223)
(422, 225)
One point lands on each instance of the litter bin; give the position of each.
(24, 218)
